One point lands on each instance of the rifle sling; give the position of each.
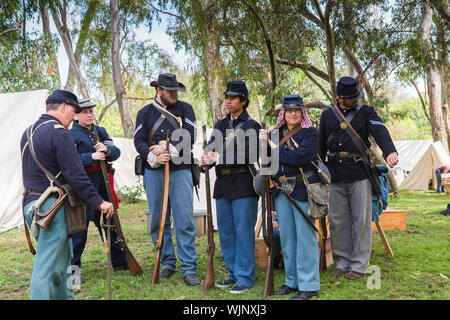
(290, 134)
(362, 148)
(357, 140)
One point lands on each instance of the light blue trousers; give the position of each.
(182, 207)
(236, 221)
(54, 252)
(299, 245)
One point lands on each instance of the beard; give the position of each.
(349, 104)
(167, 101)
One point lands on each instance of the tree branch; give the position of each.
(309, 105)
(310, 77)
(306, 67)
(164, 12)
(9, 30)
(269, 53)
(422, 101)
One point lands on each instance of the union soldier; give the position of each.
(236, 200)
(298, 239)
(85, 134)
(350, 211)
(152, 123)
(55, 150)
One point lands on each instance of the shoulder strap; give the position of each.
(338, 130)
(357, 140)
(230, 138)
(49, 175)
(175, 122)
(290, 134)
(155, 127)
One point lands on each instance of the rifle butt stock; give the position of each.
(268, 282)
(155, 276)
(209, 279)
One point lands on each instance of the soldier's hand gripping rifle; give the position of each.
(164, 205)
(267, 208)
(209, 280)
(133, 265)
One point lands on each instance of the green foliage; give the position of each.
(129, 195)
(407, 120)
(111, 121)
(419, 270)
(26, 56)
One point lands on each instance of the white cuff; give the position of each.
(173, 151)
(151, 159)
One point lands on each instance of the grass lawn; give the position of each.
(420, 269)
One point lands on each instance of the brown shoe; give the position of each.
(337, 273)
(353, 275)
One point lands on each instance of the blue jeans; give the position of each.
(182, 207)
(440, 187)
(51, 270)
(299, 244)
(236, 221)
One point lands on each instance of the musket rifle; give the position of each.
(164, 205)
(268, 233)
(133, 265)
(209, 280)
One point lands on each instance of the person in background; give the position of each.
(84, 133)
(442, 169)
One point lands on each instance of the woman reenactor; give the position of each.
(298, 239)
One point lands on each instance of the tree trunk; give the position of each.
(442, 30)
(434, 92)
(121, 94)
(433, 76)
(212, 62)
(54, 68)
(85, 25)
(65, 37)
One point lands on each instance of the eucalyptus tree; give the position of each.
(26, 55)
(426, 58)
(195, 25)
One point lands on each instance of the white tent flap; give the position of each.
(17, 111)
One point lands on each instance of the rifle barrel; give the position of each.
(133, 265)
(209, 279)
(162, 222)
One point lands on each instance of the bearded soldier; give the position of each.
(350, 189)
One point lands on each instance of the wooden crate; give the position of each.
(391, 219)
(261, 252)
(445, 180)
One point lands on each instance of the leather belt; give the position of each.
(284, 180)
(36, 193)
(230, 170)
(342, 154)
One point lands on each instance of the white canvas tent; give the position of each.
(124, 175)
(17, 111)
(420, 158)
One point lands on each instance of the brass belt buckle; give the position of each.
(225, 171)
(343, 154)
(282, 179)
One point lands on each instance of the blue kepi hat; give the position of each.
(292, 101)
(347, 88)
(64, 96)
(236, 88)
